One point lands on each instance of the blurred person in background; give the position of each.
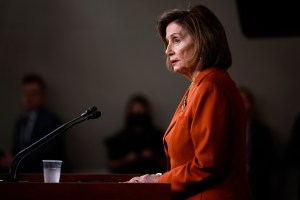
(261, 150)
(5, 161)
(137, 148)
(35, 121)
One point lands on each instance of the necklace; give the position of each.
(185, 98)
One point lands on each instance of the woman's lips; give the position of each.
(173, 62)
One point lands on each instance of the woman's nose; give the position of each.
(169, 51)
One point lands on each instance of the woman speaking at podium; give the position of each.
(205, 142)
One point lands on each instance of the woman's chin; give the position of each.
(178, 70)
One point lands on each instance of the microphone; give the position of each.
(90, 113)
(94, 115)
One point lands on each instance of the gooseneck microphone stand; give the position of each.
(90, 113)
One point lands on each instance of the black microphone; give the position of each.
(94, 115)
(90, 113)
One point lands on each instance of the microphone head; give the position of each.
(94, 115)
(89, 111)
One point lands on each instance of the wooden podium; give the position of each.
(82, 186)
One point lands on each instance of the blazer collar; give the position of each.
(203, 73)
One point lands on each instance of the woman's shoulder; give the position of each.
(216, 76)
(217, 79)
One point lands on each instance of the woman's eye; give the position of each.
(176, 40)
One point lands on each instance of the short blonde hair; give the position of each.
(211, 46)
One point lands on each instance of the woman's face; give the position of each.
(180, 49)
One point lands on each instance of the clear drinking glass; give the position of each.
(52, 169)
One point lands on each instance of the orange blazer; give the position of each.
(206, 141)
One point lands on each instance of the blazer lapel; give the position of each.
(197, 82)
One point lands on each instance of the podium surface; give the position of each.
(83, 186)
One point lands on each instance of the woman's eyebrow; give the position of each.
(174, 34)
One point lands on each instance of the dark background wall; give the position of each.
(101, 52)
